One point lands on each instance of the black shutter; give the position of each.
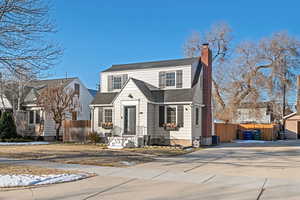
(100, 116)
(180, 117)
(161, 115)
(110, 82)
(179, 79)
(162, 79)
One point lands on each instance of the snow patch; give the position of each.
(127, 163)
(27, 180)
(250, 141)
(21, 143)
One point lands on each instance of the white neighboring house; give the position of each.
(5, 103)
(161, 102)
(41, 123)
(261, 112)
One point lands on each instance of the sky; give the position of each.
(96, 34)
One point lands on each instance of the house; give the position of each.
(33, 121)
(261, 112)
(160, 102)
(292, 121)
(5, 103)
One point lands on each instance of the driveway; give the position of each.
(230, 171)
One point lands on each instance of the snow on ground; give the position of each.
(250, 141)
(27, 180)
(21, 143)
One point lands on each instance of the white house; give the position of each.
(261, 112)
(40, 123)
(161, 102)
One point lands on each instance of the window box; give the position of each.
(107, 125)
(171, 127)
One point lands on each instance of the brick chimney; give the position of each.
(206, 59)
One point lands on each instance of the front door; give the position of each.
(129, 120)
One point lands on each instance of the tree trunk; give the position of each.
(57, 132)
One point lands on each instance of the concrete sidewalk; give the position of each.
(228, 172)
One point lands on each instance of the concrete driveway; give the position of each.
(231, 171)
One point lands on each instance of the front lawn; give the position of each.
(89, 154)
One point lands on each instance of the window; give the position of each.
(31, 117)
(77, 88)
(74, 115)
(170, 79)
(171, 115)
(37, 117)
(117, 82)
(108, 115)
(197, 116)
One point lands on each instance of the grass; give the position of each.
(88, 154)
(31, 170)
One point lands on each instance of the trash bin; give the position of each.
(256, 134)
(215, 140)
(247, 135)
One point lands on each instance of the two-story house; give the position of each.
(39, 123)
(162, 102)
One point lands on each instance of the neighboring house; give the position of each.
(40, 123)
(5, 103)
(255, 113)
(157, 102)
(292, 121)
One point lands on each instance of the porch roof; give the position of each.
(104, 98)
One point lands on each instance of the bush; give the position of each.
(94, 137)
(7, 126)
(40, 138)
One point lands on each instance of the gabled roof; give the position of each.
(38, 84)
(197, 73)
(154, 64)
(152, 93)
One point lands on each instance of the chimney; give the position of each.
(206, 59)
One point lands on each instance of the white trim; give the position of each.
(176, 113)
(101, 105)
(170, 103)
(104, 114)
(290, 115)
(148, 69)
(170, 87)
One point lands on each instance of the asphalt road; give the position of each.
(231, 171)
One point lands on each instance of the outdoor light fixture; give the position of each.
(130, 96)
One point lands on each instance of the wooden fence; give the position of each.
(76, 131)
(229, 132)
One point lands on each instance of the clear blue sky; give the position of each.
(98, 33)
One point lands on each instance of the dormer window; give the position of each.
(170, 79)
(117, 82)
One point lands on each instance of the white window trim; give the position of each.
(168, 87)
(166, 113)
(34, 116)
(113, 85)
(104, 114)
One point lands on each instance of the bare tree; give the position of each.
(57, 102)
(248, 71)
(24, 27)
